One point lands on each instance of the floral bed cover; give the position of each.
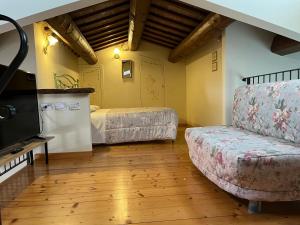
(120, 125)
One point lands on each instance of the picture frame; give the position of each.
(127, 66)
(214, 56)
(214, 66)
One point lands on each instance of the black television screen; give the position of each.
(19, 115)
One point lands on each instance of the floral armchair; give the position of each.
(258, 158)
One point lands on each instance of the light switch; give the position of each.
(74, 106)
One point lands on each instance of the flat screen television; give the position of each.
(19, 114)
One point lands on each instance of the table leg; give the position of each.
(46, 153)
(28, 158)
(31, 157)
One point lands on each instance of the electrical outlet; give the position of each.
(74, 106)
(60, 106)
(46, 106)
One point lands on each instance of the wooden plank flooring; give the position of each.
(144, 184)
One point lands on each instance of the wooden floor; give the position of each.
(145, 184)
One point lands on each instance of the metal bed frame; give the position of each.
(284, 75)
(65, 81)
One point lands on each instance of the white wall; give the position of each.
(9, 46)
(155, 82)
(72, 129)
(281, 17)
(31, 11)
(204, 87)
(246, 52)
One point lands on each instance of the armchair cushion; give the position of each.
(271, 109)
(246, 164)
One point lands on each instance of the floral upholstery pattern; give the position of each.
(119, 125)
(259, 157)
(246, 164)
(271, 109)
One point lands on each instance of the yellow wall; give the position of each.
(204, 87)
(59, 59)
(155, 82)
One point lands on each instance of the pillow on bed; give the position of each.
(94, 108)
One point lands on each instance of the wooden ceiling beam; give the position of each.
(157, 42)
(284, 46)
(173, 16)
(110, 44)
(107, 33)
(106, 28)
(101, 15)
(212, 27)
(104, 22)
(138, 15)
(169, 23)
(96, 8)
(180, 9)
(161, 38)
(166, 29)
(100, 40)
(65, 28)
(110, 41)
(163, 34)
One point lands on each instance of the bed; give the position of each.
(112, 126)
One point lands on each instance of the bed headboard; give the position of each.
(65, 81)
(285, 75)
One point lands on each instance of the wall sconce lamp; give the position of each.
(116, 53)
(51, 40)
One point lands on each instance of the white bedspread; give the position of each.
(133, 124)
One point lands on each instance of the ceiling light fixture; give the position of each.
(51, 40)
(116, 53)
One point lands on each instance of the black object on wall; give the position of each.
(7, 75)
(19, 115)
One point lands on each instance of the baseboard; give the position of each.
(189, 125)
(65, 155)
(182, 125)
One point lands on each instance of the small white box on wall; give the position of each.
(60, 106)
(74, 106)
(214, 61)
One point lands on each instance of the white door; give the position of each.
(91, 77)
(152, 83)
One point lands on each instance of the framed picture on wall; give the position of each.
(127, 68)
(214, 66)
(214, 56)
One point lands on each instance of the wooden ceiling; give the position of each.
(104, 24)
(167, 23)
(170, 23)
